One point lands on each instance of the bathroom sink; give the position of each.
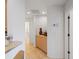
(7, 40)
(11, 45)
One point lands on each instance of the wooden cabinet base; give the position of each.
(42, 50)
(41, 43)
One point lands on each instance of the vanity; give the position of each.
(12, 48)
(11, 45)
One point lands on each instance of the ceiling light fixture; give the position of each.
(43, 12)
(28, 12)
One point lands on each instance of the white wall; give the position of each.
(55, 41)
(69, 12)
(16, 19)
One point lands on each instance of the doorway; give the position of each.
(27, 32)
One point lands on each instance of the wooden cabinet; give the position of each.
(41, 42)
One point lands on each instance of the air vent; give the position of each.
(35, 11)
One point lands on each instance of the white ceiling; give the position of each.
(43, 3)
(53, 2)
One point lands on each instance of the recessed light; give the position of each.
(28, 12)
(43, 12)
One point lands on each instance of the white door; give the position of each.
(69, 35)
(27, 32)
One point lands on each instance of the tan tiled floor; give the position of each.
(34, 53)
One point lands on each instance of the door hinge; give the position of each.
(68, 17)
(68, 34)
(68, 52)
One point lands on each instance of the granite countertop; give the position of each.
(12, 45)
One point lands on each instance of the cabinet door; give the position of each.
(44, 44)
